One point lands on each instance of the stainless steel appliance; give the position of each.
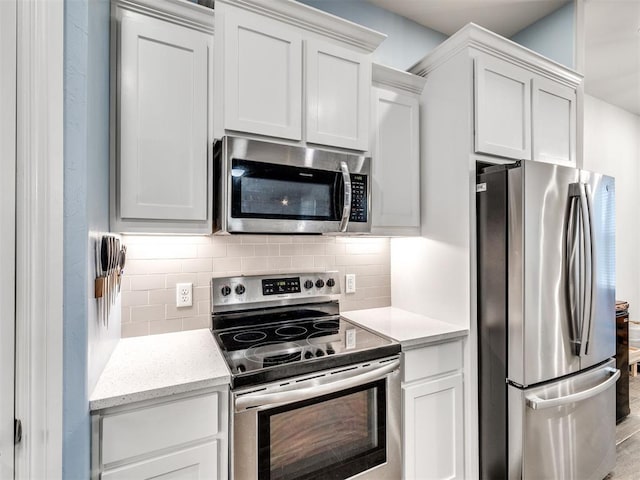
(546, 330)
(313, 395)
(265, 187)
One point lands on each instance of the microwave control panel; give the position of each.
(359, 204)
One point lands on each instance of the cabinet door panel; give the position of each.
(163, 128)
(396, 160)
(433, 437)
(503, 109)
(197, 463)
(554, 122)
(263, 77)
(338, 89)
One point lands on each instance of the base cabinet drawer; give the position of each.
(137, 432)
(197, 463)
(182, 436)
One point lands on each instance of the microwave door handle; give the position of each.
(346, 209)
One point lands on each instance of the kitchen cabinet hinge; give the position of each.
(17, 431)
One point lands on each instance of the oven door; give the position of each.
(336, 424)
(274, 188)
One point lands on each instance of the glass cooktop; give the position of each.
(278, 350)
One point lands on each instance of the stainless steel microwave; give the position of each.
(264, 187)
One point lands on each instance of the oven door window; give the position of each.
(268, 190)
(330, 437)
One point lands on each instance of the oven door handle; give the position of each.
(318, 387)
(346, 209)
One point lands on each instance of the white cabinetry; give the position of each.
(522, 115)
(173, 439)
(338, 84)
(262, 76)
(272, 49)
(433, 412)
(395, 151)
(437, 277)
(161, 117)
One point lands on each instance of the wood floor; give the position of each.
(628, 438)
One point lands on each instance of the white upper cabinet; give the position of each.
(554, 122)
(395, 152)
(523, 115)
(163, 133)
(263, 76)
(338, 83)
(271, 50)
(503, 109)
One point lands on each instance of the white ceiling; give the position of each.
(505, 17)
(612, 52)
(612, 38)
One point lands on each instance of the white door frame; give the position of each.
(39, 235)
(7, 230)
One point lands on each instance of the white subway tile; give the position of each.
(134, 329)
(163, 296)
(171, 311)
(172, 279)
(148, 267)
(147, 313)
(254, 239)
(147, 282)
(197, 265)
(240, 251)
(212, 251)
(301, 262)
(227, 264)
(160, 251)
(314, 249)
(165, 326)
(291, 249)
(279, 262)
(254, 264)
(279, 239)
(194, 323)
(134, 298)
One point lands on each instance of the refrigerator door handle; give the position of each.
(537, 403)
(589, 266)
(572, 265)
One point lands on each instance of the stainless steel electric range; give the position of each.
(314, 395)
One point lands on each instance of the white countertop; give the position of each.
(410, 329)
(142, 368)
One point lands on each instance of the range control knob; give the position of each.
(319, 283)
(319, 353)
(331, 282)
(308, 284)
(308, 354)
(241, 368)
(226, 290)
(330, 350)
(240, 289)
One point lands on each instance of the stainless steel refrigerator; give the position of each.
(546, 322)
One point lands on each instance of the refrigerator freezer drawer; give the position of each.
(564, 429)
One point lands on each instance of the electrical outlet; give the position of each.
(350, 283)
(184, 297)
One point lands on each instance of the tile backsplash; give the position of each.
(155, 264)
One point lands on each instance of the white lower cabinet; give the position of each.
(183, 437)
(433, 413)
(197, 463)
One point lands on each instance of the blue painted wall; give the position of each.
(86, 160)
(553, 36)
(406, 42)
